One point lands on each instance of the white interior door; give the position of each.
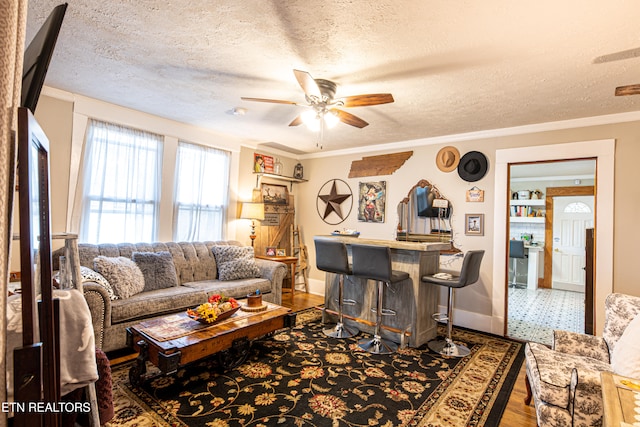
(572, 215)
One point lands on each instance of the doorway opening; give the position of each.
(603, 150)
(551, 207)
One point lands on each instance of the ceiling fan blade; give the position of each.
(296, 122)
(275, 101)
(370, 99)
(349, 118)
(308, 84)
(628, 90)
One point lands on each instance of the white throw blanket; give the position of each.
(77, 344)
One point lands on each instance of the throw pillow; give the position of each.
(123, 275)
(625, 358)
(89, 275)
(235, 262)
(157, 268)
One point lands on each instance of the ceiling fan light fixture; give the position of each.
(331, 119)
(321, 109)
(311, 119)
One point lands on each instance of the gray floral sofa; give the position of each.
(174, 276)
(564, 380)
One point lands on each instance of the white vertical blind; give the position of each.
(201, 193)
(122, 179)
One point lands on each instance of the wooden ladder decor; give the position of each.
(299, 249)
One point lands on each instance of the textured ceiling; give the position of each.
(452, 67)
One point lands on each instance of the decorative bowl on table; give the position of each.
(216, 308)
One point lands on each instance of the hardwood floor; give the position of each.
(515, 414)
(302, 300)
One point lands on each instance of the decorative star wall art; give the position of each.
(332, 195)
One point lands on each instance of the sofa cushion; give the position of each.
(620, 309)
(157, 268)
(625, 357)
(193, 260)
(235, 262)
(579, 344)
(550, 372)
(155, 303)
(123, 275)
(232, 288)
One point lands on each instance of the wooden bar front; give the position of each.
(413, 301)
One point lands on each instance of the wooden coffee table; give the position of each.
(174, 340)
(618, 399)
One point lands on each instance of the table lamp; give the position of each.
(252, 211)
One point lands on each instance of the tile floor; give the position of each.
(534, 314)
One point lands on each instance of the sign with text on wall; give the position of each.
(475, 195)
(271, 220)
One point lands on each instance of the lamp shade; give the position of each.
(250, 210)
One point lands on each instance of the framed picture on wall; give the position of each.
(262, 163)
(372, 200)
(275, 194)
(474, 224)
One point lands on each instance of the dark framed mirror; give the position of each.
(35, 229)
(37, 371)
(425, 215)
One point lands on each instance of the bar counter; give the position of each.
(413, 301)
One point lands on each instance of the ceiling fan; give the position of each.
(320, 95)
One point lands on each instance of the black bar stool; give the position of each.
(516, 252)
(331, 256)
(469, 274)
(374, 262)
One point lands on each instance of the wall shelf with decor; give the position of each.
(539, 219)
(531, 210)
(289, 179)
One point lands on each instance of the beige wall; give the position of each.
(54, 117)
(248, 182)
(422, 166)
(63, 117)
(57, 119)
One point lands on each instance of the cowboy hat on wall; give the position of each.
(447, 159)
(473, 166)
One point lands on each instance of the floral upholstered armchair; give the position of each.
(564, 381)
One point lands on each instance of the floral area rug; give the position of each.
(299, 377)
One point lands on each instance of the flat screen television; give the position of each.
(37, 57)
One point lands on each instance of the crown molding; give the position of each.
(492, 133)
(410, 144)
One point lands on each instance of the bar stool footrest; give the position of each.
(385, 311)
(440, 317)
